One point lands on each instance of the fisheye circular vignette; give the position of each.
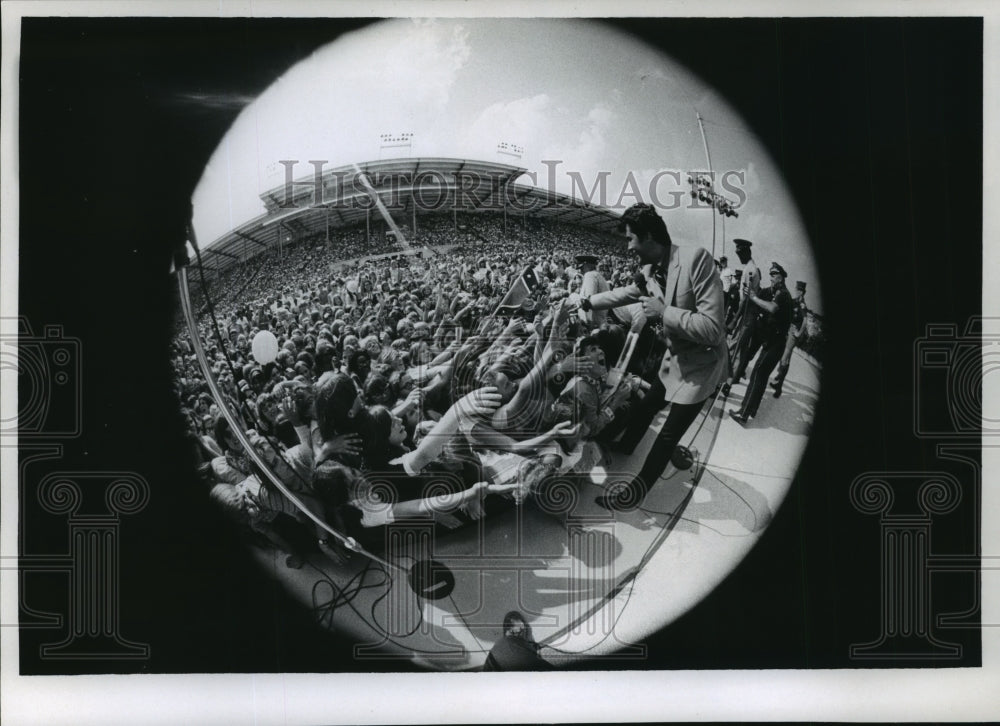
(495, 340)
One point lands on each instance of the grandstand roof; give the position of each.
(434, 185)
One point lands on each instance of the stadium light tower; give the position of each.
(508, 149)
(702, 189)
(395, 141)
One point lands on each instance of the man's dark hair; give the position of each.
(587, 342)
(592, 341)
(611, 338)
(642, 219)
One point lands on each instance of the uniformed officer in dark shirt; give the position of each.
(776, 304)
(733, 301)
(799, 312)
(747, 336)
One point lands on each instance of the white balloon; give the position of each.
(264, 347)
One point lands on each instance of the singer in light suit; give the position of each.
(680, 288)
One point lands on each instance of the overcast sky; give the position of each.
(576, 92)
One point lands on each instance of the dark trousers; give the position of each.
(768, 359)
(748, 342)
(779, 377)
(644, 348)
(679, 419)
(637, 418)
(786, 359)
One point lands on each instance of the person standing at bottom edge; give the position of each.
(680, 289)
(776, 302)
(517, 649)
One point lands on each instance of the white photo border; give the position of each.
(843, 695)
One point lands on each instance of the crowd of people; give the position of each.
(444, 386)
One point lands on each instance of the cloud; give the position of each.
(601, 116)
(425, 62)
(584, 147)
(522, 121)
(399, 79)
(214, 100)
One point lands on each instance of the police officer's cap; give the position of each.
(742, 244)
(775, 267)
(799, 285)
(586, 259)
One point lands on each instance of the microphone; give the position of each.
(640, 282)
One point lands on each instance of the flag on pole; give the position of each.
(524, 286)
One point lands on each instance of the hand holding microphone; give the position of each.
(651, 306)
(640, 282)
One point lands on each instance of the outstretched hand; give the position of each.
(481, 402)
(290, 410)
(564, 429)
(561, 312)
(343, 444)
(414, 398)
(501, 488)
(515, 326)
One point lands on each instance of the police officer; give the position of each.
(746, 341)
(799, 312)
(733, 301)
(776, 302)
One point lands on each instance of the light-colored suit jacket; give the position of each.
(694, 319)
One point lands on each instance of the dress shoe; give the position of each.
(617, 503)
(621, 496)
(738, 418)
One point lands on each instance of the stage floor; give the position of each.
(589, 582)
